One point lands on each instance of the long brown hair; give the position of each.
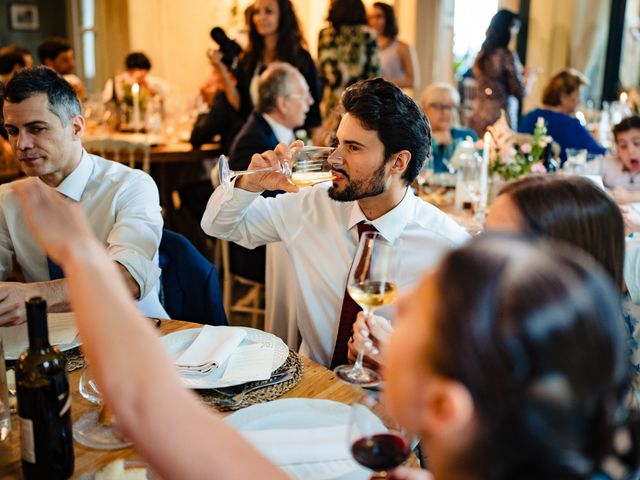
(576, 211)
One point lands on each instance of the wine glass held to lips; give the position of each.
(372, 284)
(301, 166)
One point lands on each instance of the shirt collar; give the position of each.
(282, 133)
(73, 186)
(392, 223)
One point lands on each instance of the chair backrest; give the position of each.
(121, 151)
(469, 91)
(190, 284)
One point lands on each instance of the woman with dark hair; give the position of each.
(347, 51)
(397, 58)
(560, 100)
(509, 362)
(576, 211)
(498, 74)
(274, 35)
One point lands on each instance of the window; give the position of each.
(470, 21)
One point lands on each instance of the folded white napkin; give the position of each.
(210, 349)
(305, 445)
(62, 331)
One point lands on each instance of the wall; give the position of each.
(53, 22)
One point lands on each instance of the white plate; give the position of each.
(302, 413)
(178, 342)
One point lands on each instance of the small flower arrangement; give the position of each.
(510, 158)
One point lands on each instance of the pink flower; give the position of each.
(525, 148)
(538, 168)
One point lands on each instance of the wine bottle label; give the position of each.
(26, 440)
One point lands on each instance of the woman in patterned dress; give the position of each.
(347, 51)
(498, 74)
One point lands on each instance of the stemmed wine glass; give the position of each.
(91, 429)
(377, 442)
(371, 284)
(309, 166)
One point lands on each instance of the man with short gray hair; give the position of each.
(281, 105)
(43, 119)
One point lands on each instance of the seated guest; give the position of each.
(383, 140)
(494, 386)
(621, 173)
(43, 119)
(221, 122)
(10, 64)
(57, 53)
(440, 102)
(23, 52)
(137, 66)
(560, 99)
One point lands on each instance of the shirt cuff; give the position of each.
(145, 272)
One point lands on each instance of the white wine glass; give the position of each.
(372, 283)
(308, 166)
(94, 429)
(377, 441)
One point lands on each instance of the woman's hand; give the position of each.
(406, 473)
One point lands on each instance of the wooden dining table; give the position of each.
(317, 382)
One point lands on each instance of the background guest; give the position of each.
(440, 102)
(26, 54)
(221, 122)
(137, 67)
(498, 74)
(560, 100)
(57, 53)
(10, 64)
(274, 35)
(397, 58)
(347, 51)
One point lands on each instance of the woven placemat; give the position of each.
(75, 360)
(261, 395)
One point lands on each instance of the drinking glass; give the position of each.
(90, 430)
(372, 283)
(5, 413)
(377, 442)
(309, 166)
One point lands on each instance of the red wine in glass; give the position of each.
(381, 452)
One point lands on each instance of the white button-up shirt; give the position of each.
(321, 237)
(123, 210)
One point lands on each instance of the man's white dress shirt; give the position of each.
(320, 235)
(123, 210)
(283, 133)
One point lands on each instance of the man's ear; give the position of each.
(400, 162)
(447, 408)
(77, 126)
(281, 104)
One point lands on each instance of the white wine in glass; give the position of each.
(308, 166)
(372, 284)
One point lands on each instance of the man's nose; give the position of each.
(337, 157)
(23, 141)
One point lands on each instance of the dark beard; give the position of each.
(358, 189)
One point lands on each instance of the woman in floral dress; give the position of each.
(347, 51)
(498, 74)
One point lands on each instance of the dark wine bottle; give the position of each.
(44, 402)
(548, 161)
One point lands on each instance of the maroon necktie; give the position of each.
(348, 315)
